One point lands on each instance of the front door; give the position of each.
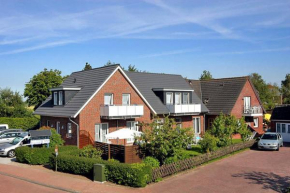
(101, 130)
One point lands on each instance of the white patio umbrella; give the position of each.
(123, 134)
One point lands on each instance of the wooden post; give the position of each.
(109, 151)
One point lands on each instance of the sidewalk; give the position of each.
(60, 181)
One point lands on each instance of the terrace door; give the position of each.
(101, 130)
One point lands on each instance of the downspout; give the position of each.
(77, 131)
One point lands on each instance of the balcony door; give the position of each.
(101, 130)
(126, 99)
(247, 103)
(178, 98)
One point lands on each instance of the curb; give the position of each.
(38, 183)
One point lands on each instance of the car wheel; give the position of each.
(11, 153)
(278, 148)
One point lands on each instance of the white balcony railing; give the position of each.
(120, 111)
(184, 108)
(253, 110)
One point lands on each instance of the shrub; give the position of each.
(171, 160)
(90, 152)
(135, 175)
(151, 161)
(55, 138)
(20, 123)
(39, 156)
(208, 143)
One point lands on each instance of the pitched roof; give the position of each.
(220, 95)
(281, 113)
(146, 82)
(89, 81)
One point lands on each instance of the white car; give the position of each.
(3, 127)
(8, 149)
(271, 141)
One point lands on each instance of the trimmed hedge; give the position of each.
(20, 123)
(135, 175)
(39, 156)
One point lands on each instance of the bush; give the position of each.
(171, 160)
(39, 156)
(135, 175)
(208, 143)
(20, 123)
(151, 161)
(91, 152)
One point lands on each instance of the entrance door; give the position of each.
(101, 130)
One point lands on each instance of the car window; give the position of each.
(269, 136)
(6, 135)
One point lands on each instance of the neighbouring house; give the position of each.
(231, 96)
(93, 103)
(280, 121)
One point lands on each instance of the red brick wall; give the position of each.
(187, 122)
(237, 111)
(117, 85)
(63, 128)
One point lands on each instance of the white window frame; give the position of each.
(247, 103)
(256, 125)
(195, 122)
(129, 97)
(99, 131)
(171, 99)
(58, 127)
(112, 98)
(133, 124)
(54, 98)
(60, 98)
(186, 97)
(69, 130)
(178, 102)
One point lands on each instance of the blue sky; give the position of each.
(228, 38)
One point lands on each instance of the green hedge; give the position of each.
(40, 156)
(20, 123)
(135, 175)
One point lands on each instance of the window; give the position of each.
(69, 130)
(55, 98)
(169, 98)
(101, 130)
(132, 125)
(247, 104)
(278, 128)
(288, 128)
(48, 123)
(58, 127)
(196, 125)
(256, 122)
(126, 99)
(109, 99)
(185, 98)
(60, 98)
(178, 98)
(283, 128)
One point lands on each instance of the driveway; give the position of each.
(250, 171)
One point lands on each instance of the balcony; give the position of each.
(122, 112)
(253, 111)
(186, 109)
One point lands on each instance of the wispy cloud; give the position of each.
(168, 53)
(286, 49)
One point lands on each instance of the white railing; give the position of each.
(253, 110)
(184, 108)
(122, 111)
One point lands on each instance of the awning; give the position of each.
(123, 134)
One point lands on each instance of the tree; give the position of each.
(264, 92)
(132, 68)
(109, 63)
(285, 89)
(55, 138)
(37, 89)
(87, 67)
(206, 75)
(164, 140)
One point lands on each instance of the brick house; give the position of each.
(93, 103)
(231, 96)
(280, 121)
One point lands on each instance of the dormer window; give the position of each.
(169, 98)
(55, 98)
(60, 98)
(178, 98)
(185, 98)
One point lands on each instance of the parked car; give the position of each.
(7, 136)
(8, 149)
(272, 141)
(3, 127)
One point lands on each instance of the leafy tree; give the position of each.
(285, 88)
(275, 93)
(264, 92)
(37, 90)
(132, 68)
(55, 138)
(243, 129)
(208, 143)
(87, 67)
(164, 140)
(109, 63)
(206, 75)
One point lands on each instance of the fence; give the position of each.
(169, 169)
(125, 154)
